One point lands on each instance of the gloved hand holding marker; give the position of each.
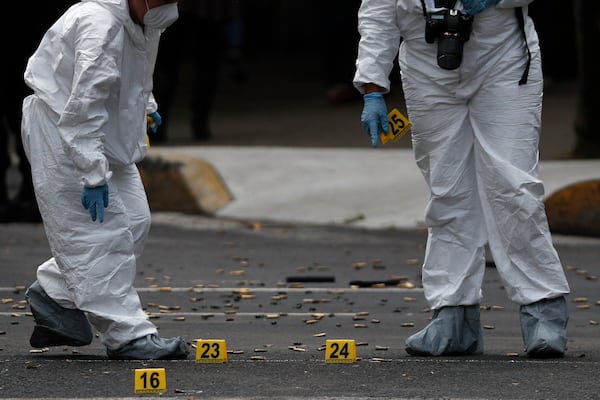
(380, 125)
(154, 120)
(374, 116)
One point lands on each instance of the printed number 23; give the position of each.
(207, 353)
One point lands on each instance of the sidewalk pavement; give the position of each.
(371, 188)
(281, 152)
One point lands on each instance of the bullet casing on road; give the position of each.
(276, 331)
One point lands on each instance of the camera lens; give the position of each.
(450, 49)
(452, 29)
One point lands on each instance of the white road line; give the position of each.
(199, 393)
(205, 314)
(246, 289)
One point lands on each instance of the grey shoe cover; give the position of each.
(56, 325)
(544, 327)
(151, 347)
(454, 330)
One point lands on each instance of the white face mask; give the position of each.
(161, 17)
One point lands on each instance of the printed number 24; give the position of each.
(336, 351)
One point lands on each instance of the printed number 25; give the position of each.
(397, 123)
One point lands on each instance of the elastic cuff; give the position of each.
(373, 95)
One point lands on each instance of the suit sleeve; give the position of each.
(378, 44)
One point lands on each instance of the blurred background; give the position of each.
(279, 73)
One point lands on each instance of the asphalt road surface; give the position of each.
(275, 294)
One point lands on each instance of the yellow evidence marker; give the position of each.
(340, 351)
(150, 380)
(399, 125)
(211, 351)
(150, 124)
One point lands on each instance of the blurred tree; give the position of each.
(587, 28)
(22, 38)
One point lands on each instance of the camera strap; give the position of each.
(449, 4)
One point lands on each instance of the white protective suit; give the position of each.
(475, 139)
(85, 124)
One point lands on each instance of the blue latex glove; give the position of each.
(95, 199)
(473, 7)
(156, 121)
(374, 116)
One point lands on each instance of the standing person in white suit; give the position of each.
(83, 130)
(473, 88)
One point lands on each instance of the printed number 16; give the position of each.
(154, 380)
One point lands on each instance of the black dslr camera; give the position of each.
(452, 29)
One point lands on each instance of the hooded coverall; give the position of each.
(475, 139)
(85, 124)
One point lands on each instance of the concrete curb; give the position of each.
(575, 209)
(323, 185)
(184, 184)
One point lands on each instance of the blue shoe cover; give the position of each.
(151, 347)
(454, 330)
(544, 327)
(56, 325)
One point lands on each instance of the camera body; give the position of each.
(452, 29)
